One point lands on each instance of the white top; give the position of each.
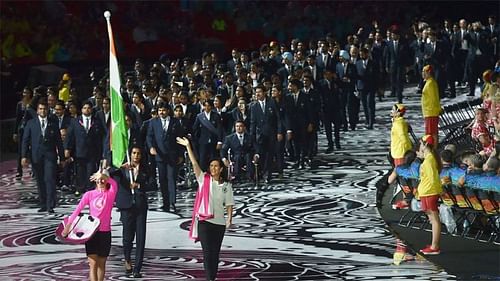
(221, 195)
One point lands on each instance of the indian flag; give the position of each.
(118, 135)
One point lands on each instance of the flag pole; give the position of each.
(118, 120)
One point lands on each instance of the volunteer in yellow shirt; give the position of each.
(431, 106)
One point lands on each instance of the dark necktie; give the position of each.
(87, 124)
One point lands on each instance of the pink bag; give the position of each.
(83, 228)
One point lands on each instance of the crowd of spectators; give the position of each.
(59, 31)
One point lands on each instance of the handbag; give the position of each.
(82, 229)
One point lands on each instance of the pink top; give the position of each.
(100, 205)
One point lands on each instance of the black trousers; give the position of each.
(134, 225)
(265, 148)
(211, 236)
(168, 182)
(84, 169)
(332, 117)
(45, 174)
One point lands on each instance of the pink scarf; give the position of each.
(202, 210)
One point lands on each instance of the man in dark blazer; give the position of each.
(208, 133)
(397, 58)
(436, 54)
(132, 201)
(86, 137)
(189, 111)
(162, 132)
(24, 112)
(228, 91)
(323, 60)
(63, 120)
(366, 85)
(287, 69)
(104, 115)
(313, 97)
(331, 106)
(42, 137)
(346, 72)
(265, 128)
(476, 60)
(241, 149)
(299, 121)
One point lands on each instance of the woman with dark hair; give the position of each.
(73, 109)
(100, 202)
(208, 223)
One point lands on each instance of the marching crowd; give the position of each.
(253, 111)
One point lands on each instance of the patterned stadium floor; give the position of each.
(315, 224)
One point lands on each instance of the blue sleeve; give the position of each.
(491, 183)
(456, 173)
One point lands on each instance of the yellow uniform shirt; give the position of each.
(64, 93)
(430, 99)
(400, 140)
(430, 184)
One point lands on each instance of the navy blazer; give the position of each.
(299, 115)
(65, 122)
(23, 115)
(223, 90)
(203, 134)
(101, 117)
(87, 145)
(347, 87)
(236, 115)
(165, 143)
(367, 75)
(237, 150)
(47, 147)
(124, 197)
(397, 59)
(268, 124)
(330, 95)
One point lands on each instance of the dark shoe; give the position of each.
(137, 275)
(50, 211)
(337, 146)
(128, 268)
(174, 209)
(19, 175)
(41, 210)
(295, 166)
(329, 150)
(470, 95)
(165, 208)
(280, 176)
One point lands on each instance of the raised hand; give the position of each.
(183, 141)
